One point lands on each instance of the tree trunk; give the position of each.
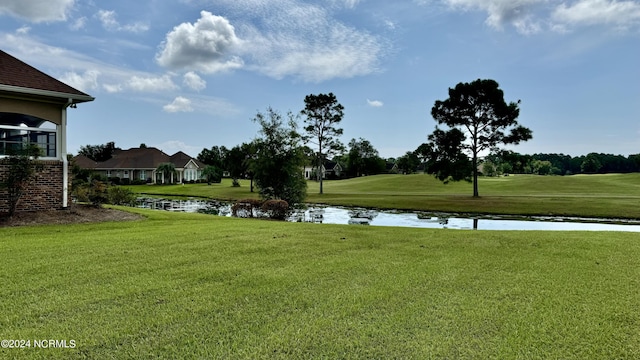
(320, 173)
(474, 163)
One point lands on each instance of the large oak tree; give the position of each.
(479, 112)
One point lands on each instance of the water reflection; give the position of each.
(362, 216)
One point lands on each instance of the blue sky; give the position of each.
(190, 74)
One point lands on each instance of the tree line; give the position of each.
(475, 119)
(505, 162)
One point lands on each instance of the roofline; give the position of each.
(76, 98)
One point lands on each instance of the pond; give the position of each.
(361, 216)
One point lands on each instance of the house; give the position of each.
(330, 170)
(33, 110)
(140, 164)
(392, 167)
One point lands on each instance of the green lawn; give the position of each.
(612, 195)
(197, 286)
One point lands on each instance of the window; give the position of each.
(18, 131)
(143, 175)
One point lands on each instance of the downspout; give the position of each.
(63, 154)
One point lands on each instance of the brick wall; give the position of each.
(44, 192)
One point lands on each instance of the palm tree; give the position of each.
(167, 170)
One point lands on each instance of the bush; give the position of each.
(275, 209)
(235, 183)
(120, 196)
(246, 208)
(97, 192)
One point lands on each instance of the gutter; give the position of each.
(74, 98)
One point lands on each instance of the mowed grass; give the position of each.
(611, 195)
(196, 286)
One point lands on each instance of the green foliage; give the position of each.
(118, 195)
(212, 173)
(479, 110)
(445, 157)
(363, 159)
(237, 161)
(591, 164)
(89, 187)
(322, 114)
(489, 169)
(94, 191)
(22, 168)
(275, 209)
(99, 153)
(278, 163)
(408, 163)
(214, 156)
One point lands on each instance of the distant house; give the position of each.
(33, 110)
(140, 164)
(330, 170)
(392, 167)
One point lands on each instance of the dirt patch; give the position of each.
(73, 215)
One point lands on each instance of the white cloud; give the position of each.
(151, 84)
(37, 10)
(290, 38)
(375, 103)
(278, 38)
(79, 69)
(112, 88)
(109, 22)
(194, 82)
(533, 16)
(179, 104)
(83, 82)
(24, 30)
(78, 23)
(350, 4)
(389, 24)
(207, 46)
(621, 14)
(519, 13)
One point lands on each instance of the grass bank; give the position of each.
(611, 195)
(196, 286)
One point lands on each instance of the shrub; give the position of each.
(235, 183)
(275, 209)
(97, 192)
(120, 196)
(246, 208)
(93, 191)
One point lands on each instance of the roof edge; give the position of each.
(76, 98)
